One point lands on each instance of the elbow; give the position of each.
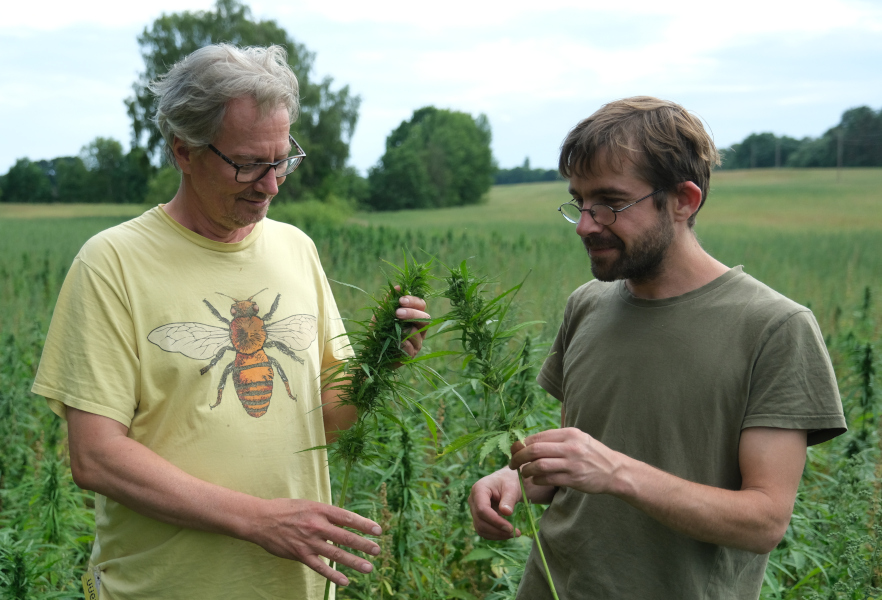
(80, 473)
(84, 471)
(770, 535)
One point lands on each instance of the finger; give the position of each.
(342, 537)
(508, 501)
(341, 557)
(344, 518)
(485, 516)
(413, 315)
(516, 447)
(319, 566)
(537, 451)
(412, 302)
(547, 471)
(553, 435)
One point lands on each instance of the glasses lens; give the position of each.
(603, 215)
(287, 167)
(570, 212)
(249, 173)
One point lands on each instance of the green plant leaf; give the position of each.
(463, 441)
(497, 441)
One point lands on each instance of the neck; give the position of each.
(686, 267)
(187, 213)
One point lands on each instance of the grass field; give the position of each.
(812, 237)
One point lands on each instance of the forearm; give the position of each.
(336, 417)
(133, 475)
(746, 519)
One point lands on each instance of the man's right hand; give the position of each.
(492, 499)
(300, 530)
(105, 460)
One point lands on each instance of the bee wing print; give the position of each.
(296, 332)
(193, 340)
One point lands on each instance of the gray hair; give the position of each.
(191, 99)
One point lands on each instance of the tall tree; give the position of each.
(438, 158)
(26, 181)
(327, 117)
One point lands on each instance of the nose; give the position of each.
(587, 225)
(267, 184)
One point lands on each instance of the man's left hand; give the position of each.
(412, 312)
(567, 457)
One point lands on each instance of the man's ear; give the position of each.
(687, 201)
(182, 154)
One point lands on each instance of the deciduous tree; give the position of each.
(438, 158)
(327, 117)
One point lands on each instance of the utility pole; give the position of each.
(777, 152)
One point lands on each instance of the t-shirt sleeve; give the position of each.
(90, 359)
(550, 376)
(793, 385)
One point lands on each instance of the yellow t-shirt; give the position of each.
(147, 306)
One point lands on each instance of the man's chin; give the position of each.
(249, 213)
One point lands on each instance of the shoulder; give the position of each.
(762, 302)
(105, 248)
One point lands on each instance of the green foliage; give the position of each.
(436, 159)
(163, 186)
(760, 150)
(102, 173)
(524, 174)
(327, 117)
(776, 223)
(26, 182)
(858, 136)
(312, 215)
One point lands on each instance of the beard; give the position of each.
(244, 213)
(641, 262)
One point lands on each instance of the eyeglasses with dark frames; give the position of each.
(251, 172)
(601, 213)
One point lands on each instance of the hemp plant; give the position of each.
(493, 364)
(370, 381)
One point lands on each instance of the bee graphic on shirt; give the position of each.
(249, 336)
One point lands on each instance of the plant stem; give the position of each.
(340, 502)
(535, 531)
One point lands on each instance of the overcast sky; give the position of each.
(534, 68)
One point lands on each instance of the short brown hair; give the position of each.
(666, 143)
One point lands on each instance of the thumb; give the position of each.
(508, 501)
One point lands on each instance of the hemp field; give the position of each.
(811, 237)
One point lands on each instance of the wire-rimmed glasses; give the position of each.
(601, 213)
(251, 172)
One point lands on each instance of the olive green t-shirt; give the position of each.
(153, 328)
(673, 382)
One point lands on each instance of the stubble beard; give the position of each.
(244, 214)
(640, 263)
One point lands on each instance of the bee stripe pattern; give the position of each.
(246, 334)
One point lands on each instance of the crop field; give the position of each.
(812, 235)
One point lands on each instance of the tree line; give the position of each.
(856, 141)
(524, 174)
(437, 158)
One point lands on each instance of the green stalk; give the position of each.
(340, 502)
(535, 533)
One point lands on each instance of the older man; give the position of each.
(202, 488)
(688, 389)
